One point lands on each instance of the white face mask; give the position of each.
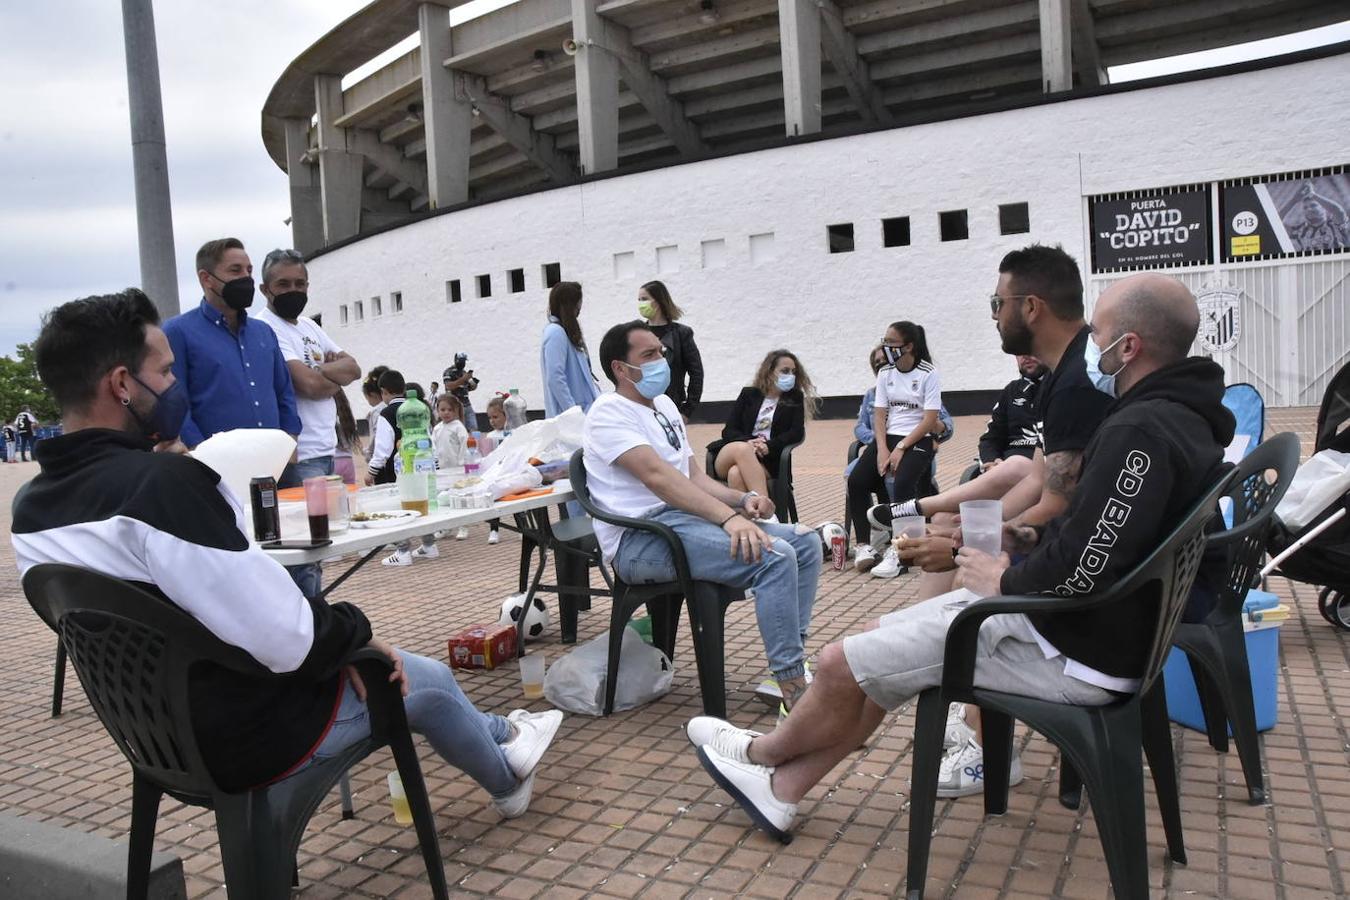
(1093, 358)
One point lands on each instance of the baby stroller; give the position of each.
(1325, 560)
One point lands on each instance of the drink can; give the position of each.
(838, 551)
(266, 516)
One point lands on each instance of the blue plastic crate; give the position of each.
(1263, 661)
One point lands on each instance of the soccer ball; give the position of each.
(828, 531)
(536, 619)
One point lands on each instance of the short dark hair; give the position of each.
(1049, 273)
(392, 381)
(616, 344)
(208, 257)
(81, 341)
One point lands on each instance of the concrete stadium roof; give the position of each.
(720, 63)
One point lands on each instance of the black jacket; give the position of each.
(685, 361)
(788, 427)
(1012, 422)
(1158, 451)
(388, 474)
(104, 502)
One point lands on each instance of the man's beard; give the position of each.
(1016, 337)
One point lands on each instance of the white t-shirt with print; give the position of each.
(615, 425)
(306, 341)
(907, 395)
(764, 421)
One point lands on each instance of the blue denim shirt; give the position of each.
(565, 371)
(232, 380)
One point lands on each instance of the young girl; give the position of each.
(496, 413)
(348, 440)
(450, 439)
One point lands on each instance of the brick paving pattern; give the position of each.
(623, 809)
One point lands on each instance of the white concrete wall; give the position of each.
(828, 308)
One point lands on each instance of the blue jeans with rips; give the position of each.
(462, 735)
(309, 578)
(783, 584)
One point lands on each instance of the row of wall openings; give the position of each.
(953, 225)
(357, 311)
(549, 275)
(712, 254)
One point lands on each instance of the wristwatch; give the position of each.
(745, 498)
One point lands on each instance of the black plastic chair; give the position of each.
(780, 484)
(1217, 648)
(707, 603)
(133, 653)
(1101, 741)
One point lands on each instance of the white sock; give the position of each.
(908, 508)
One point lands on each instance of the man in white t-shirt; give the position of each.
(319, 368)
(637, 466)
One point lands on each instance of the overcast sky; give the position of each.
(67, 208)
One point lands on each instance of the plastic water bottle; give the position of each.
(515, 406)
(472, 458)
(419, 463)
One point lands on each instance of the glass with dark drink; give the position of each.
(316, 504)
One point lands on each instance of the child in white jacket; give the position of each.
(450, 440)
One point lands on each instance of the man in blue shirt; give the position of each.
(233, 370)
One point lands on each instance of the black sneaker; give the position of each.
(880, 516)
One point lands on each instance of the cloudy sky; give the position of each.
(67, 209)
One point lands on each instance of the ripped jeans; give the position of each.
(784, 585)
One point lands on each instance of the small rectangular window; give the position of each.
(762, 249)
(359, 308)
(552, 274)
(342, 314)
(841, 237)
(667, 259)
(396, 301)
(1014, 218)
(953, 225)
(484, 285)
(625, 266)
(452, 291)
(376, 307)
(714, 253)
(516, 281)
(895, 232)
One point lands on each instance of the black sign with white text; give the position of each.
(1149, 230)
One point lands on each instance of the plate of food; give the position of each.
(384, 518)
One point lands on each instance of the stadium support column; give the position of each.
(597, 74)
(306, 196)
(1056, 41)
(340, 171)
(799, 33)
(447, 119)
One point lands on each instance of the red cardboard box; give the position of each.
(483, 646)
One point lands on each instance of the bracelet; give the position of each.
(723, 523)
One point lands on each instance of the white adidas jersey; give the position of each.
(907, 395)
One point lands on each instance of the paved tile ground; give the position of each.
(623, 809)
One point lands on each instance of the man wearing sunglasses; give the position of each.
(637, 465)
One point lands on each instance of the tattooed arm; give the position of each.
(1061, 479)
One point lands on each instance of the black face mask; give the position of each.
(290, 304)
(237, 292)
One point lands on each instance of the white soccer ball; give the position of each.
(536, 619)
(828, 531)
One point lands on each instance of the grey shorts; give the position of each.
(893, 663)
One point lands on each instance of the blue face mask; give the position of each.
(655, 378)
(165, 418)
(787, 382)
(1093, 357)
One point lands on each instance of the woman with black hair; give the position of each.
(908, 400)
(686, 365)
(564, 364)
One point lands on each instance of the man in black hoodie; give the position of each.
(165, 522)
(1159, 450)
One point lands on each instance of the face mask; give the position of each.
(655, 378)
(1093, 357)
(165, 418)
(893, 355)
(237, 292)
(290, 304)
(787, 382)
(646, 309)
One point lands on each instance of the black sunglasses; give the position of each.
(672, 435)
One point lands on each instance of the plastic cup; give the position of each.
(316, 505)
(532, 675)
(911, 527)
(982, 525)
(399, 800)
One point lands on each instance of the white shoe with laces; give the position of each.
(751, 786)
(962, 771)
(865, 558)
(493, 537)
(958, 732)
(426, 551)
(462, 534)
(398, 558)
(890, 566)
(534, 732)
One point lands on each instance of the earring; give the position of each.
(126, 401)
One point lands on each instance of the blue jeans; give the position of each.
(784, 585)
(437, 709)
(309, 577)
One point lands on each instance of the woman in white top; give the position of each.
(905, 413)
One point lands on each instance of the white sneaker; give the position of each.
(890, 566)
(721, 735)
(493, 537)
(958, 732)
(462, 534)
(534, 732)
(751, 786)
(771, 695)
(962, 771)
(426, 551)
(398, 558)
(865, 558)
(516, 803)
